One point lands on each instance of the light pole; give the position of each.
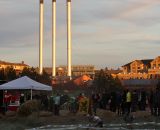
(41, 26)
(53, 38)
(69, 37)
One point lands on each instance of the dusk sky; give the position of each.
(105, 33)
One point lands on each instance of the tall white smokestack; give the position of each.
(69, 37)
(41, 16)
(53, 38)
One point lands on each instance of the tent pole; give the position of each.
(31, 94)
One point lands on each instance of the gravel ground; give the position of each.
(141, 120)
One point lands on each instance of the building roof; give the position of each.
(128, 64)
(156, 58)
(147, 61)
(144, 61)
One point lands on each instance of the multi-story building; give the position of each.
(126, 68)
(77, 70)
(154, 71)
(137, 69)
(17, 66)
(140, 66)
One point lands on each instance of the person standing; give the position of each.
(21, 99)
(95, 101)
(134, 101)
(123, 104)
(57, 104)
(128, 101)
(118, 103)
(7, 99)
(150, 100)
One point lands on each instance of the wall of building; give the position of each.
(17, 66)
(139, 70)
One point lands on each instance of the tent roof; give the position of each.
(25, 83)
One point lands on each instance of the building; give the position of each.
(77, 70)
(138, 69)
(154, 71)
(140, 66)
(18, 67)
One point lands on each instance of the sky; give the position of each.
(105, 33)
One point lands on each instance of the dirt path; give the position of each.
(13, 122)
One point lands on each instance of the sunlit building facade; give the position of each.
(77, 70)
(154, 71)
(18, 67)
(139, 69)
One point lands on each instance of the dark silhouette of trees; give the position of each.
(33, 74)
(2, 74)
(30, 72)
(9, 74)
(104, 82)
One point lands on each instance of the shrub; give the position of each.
(28, 107)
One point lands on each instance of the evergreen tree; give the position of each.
(104, 82)
(10, 73)
(2, 74)
(33, 74)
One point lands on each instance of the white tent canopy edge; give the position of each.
(23, 83)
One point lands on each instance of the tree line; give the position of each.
(104, 82)
(10, 73)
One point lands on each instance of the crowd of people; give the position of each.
(128, 101)
(121, 102)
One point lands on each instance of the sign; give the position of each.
(84, 105)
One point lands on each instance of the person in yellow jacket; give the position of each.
(128, 101)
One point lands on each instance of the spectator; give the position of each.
(21, 99)
(7, 99)
(150, 100)
(118, 103)
(113, 102)
(57, 104)
(123, 105)
(95, 100)
(134, 101)
(128, 102)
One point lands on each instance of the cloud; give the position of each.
(105, 32)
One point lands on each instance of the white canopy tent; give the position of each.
(25, 83)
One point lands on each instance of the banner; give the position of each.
(84, 105)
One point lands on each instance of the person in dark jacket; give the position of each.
(156, 102)
(123, 105)
(21, 99)
(150, 100)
